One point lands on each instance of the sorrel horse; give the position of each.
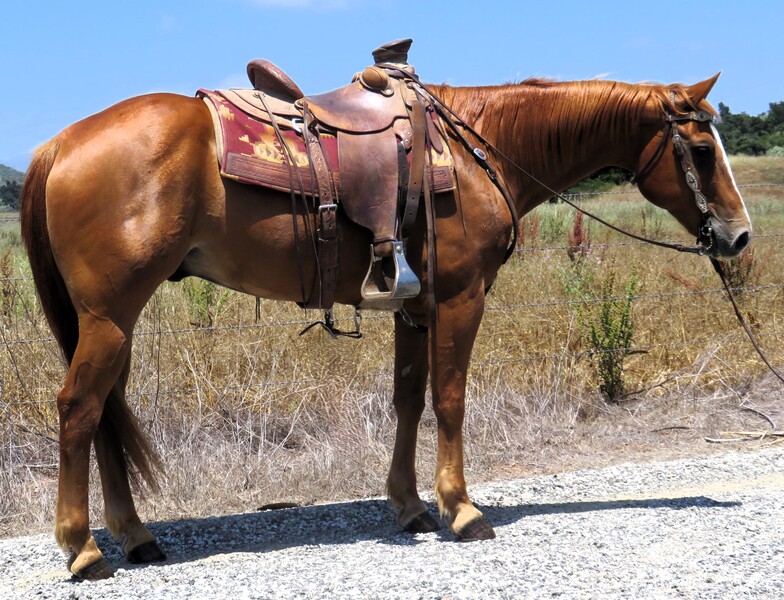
(119, 202)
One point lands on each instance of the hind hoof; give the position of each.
(424, 523)
(478, 529)
(146, 553)
(100, 569)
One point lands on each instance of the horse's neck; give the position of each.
(559, 133)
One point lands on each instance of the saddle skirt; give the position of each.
(249, 149)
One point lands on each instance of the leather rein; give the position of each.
(705, 236)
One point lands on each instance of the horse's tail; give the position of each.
(49, 284)
(117, 420)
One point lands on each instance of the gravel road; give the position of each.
(697, 528)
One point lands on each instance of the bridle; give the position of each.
(705, 235)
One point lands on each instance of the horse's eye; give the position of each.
(703, 156)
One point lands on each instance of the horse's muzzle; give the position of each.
(728, 243)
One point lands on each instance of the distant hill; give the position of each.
(9, 174)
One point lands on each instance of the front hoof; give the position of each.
(100, 569)
(478, 529)
(146, 553)
(424, 523)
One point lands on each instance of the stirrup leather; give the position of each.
(381, 284)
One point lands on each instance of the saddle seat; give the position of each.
(371, 102)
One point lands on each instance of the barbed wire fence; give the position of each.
(292, 327)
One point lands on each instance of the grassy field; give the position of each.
(245, 412)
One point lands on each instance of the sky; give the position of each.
(62, 61)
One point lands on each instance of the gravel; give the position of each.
(697, 528)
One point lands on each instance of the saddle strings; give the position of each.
(288, 157)
(449, 116)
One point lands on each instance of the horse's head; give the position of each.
(683, 168)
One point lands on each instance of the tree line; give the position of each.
(755, 136)
(9, 194)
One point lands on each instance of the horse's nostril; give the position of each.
(741, 242)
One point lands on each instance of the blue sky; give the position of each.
(63, 61)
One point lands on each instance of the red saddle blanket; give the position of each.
(250, 151)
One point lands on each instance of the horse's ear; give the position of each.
(699, 91)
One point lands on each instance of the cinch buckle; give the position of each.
(328, 227)
(327, 207)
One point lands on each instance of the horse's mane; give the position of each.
(556, 118)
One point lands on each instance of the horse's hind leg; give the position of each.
(96, 365)
(139, 545)
(409, 399)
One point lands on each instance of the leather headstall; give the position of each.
(705, 236)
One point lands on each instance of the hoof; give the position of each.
(146, 553)
(424, 523)
(478, 529)
(100, 569)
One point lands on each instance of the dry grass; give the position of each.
(248, 413)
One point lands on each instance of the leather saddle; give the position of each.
(373, 147)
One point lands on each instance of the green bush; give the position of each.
(610, 332)
(775, 151)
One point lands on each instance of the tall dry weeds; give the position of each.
(246, 412)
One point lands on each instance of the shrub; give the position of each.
(205, 300)
(611, 333)
(775, 151)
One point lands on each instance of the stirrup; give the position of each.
(389, 277)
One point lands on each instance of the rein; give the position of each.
(705, 236)
(705, 231)
(720, 270)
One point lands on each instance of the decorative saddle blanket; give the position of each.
(249, 149)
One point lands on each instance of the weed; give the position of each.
(611, 331)
(741, 272)
(529, 230)
(652, 221)
(605, 318)
(205, 300)
(579, 239)
(6, 284)
(553, 222)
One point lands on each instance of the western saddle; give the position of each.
(386, 133)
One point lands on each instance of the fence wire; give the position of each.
(294, 325)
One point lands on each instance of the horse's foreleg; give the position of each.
(457, 326)
(95, 367)
(409, 398)
(139, 545)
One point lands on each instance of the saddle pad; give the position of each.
(249, 151)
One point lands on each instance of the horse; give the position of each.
(130, 197)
